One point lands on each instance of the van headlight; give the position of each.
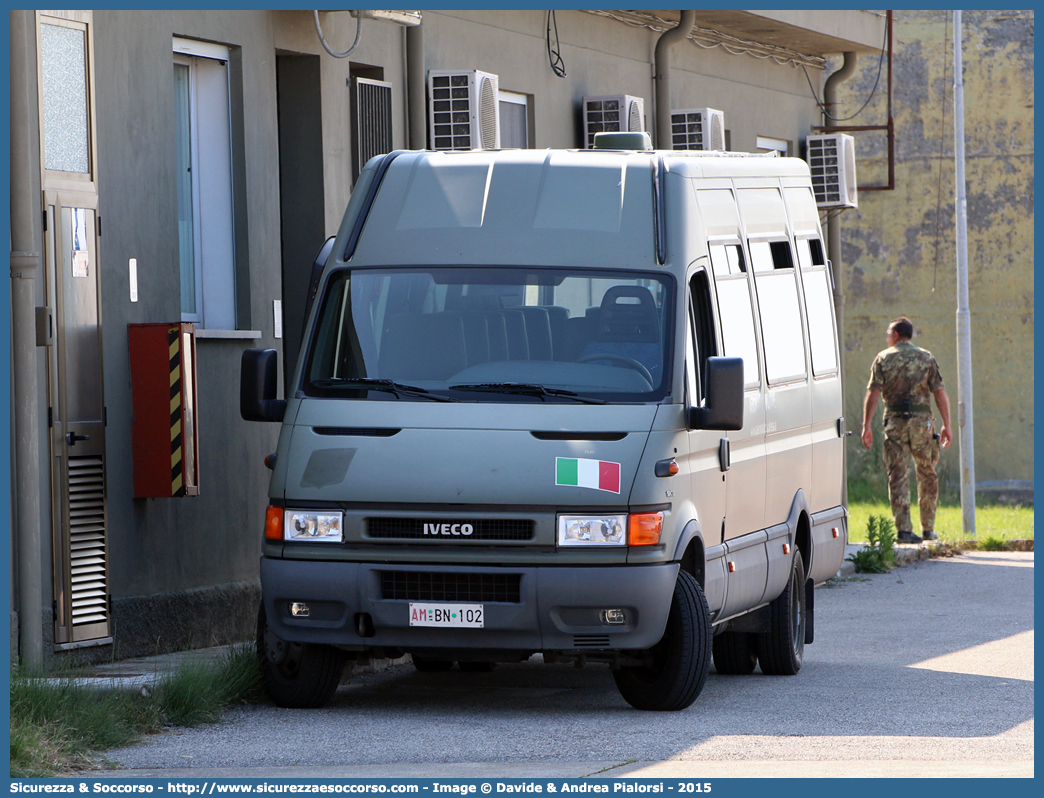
(592, 530)
(318, 527)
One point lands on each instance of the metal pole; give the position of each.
(964, 372)
(25, 261)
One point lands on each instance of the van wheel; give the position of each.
(425, 665)
(735, 653)
(780, 650)
(477, 667)
(297, 675)
(680, 660)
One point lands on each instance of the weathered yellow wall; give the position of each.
(899, 247)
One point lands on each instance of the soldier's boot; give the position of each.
(908, 537)
(929, 534)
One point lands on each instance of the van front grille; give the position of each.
(433, 586)
(425, 528)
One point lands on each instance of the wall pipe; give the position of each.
(662, 76)
(848, 66)
(416, 83)
(25, 261)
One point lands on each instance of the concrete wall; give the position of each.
(899, 247)
(605, 56)
(183, 572)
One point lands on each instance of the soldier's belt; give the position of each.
(909, 408)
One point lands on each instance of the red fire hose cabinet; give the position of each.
(164, 429)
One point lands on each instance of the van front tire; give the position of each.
(680, 661)
(297, 675)
(781, 650)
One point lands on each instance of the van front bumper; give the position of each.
(541, 609)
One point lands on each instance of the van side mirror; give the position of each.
(723, 408)
(257, 386)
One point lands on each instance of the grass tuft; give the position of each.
(56, 725)
(879, 555)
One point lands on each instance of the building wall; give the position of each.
(899, 247)
(184, 572)
(180, 546)
(605, 56)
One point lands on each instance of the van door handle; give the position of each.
(72, 437)
(724, 454)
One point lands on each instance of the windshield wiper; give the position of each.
(374, 384)
(526, 389)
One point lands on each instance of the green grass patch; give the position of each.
(879, 555)
(56, 725)
(999, 521)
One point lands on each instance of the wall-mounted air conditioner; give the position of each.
(613, 113)
(697, 129)
(831, 159)
(462, 110)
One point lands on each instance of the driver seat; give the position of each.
(628, 326)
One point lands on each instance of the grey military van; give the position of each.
(582, 404)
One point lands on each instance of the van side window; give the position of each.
(736, 315)
(775, 281)
(818, 306)
(727, 259)
(706, 343)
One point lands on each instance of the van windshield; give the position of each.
(492, 334)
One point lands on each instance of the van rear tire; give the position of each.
(297, 675)
(781, 650)
(735, 653)
(680, 661)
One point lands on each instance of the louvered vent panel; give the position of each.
(88, 557)
(634, 118)
(697, 129)
(451, 112)
(616, 113)
(831, 162)
(488, 113)
(372, 117)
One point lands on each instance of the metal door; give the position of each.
(77, 421)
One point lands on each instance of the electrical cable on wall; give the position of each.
(554, 54)
(350, 50)
(873, 91)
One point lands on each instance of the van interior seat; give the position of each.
(629, 326)
(538, 332)
(422, 346)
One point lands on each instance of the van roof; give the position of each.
(547, 207)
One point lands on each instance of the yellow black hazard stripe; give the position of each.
(177, 486)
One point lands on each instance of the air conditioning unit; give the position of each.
(463, 113)
(831, 159)
(697, 129)
(614, 113)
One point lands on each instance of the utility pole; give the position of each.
(964, 371)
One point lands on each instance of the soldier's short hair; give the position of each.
(902, 327)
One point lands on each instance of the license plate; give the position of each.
(455, 615)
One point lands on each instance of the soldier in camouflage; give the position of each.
(908, 377)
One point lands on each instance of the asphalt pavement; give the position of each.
(924, 671)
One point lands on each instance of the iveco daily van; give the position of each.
(583, 404)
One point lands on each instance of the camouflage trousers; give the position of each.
(905, 438)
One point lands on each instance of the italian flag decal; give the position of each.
(596, 474)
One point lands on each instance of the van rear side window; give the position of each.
(818, 306)
(775, 281)
(734, 309)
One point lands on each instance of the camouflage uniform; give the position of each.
(902, 372)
